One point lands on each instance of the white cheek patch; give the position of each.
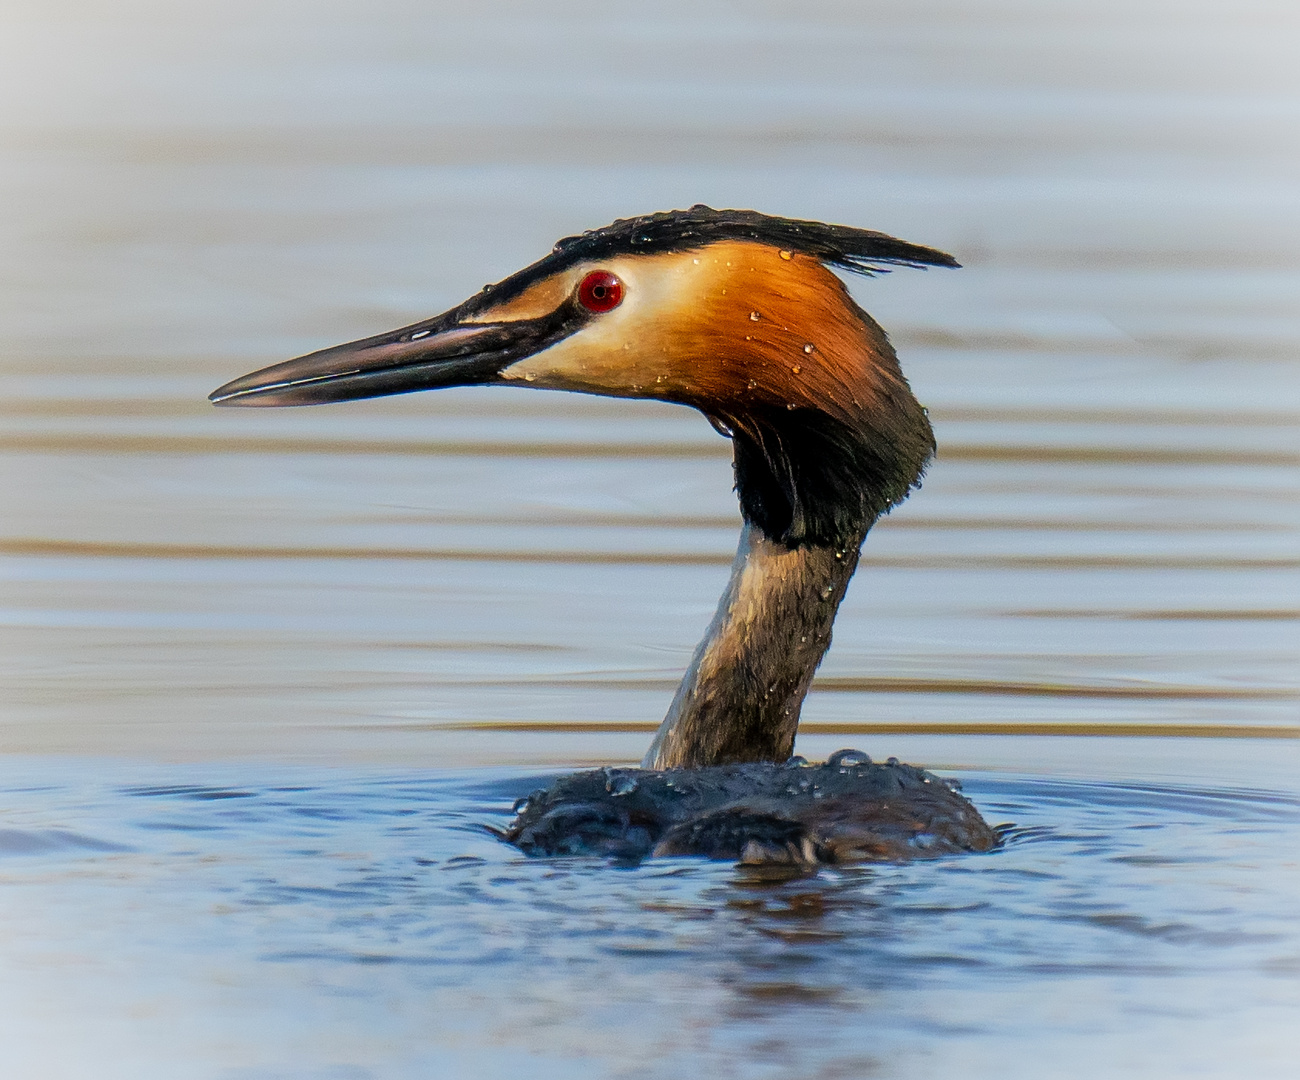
(625, 350)
(598, 358)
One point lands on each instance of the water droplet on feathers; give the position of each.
(619, 783)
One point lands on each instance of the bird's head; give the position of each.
(732, 312)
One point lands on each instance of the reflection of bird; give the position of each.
(736, 314)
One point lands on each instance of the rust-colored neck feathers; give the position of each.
(772, 328)
(770, 345)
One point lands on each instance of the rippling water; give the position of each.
(300, 924)
(263, 675)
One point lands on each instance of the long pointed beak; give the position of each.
(439, 352)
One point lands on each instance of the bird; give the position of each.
(744, 317)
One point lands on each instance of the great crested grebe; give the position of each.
(738, 315)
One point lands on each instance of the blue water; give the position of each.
(294, 923)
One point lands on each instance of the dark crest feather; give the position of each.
(859, 250)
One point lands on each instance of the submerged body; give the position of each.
(847, 810)
(738, 315)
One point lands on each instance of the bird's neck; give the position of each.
(811, 482)
(741, 697)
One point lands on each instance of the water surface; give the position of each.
(307, 924)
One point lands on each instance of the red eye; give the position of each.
(600, 291)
